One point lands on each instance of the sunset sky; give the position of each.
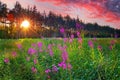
(104, 12)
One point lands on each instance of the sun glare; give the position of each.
(25, 24)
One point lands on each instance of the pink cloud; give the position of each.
(98, 8)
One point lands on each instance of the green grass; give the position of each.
(87, 63)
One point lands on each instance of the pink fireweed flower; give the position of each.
(48, 77)
(94, 39)
(14, 54)
(35, 61)
(64, 56)
(80, 40)
(99, 48)
(65, 66)
(90, 43)
(54, 69)
(72, 36)
(69, 66)
(110, 47)
(51, 52)
(6, 60)
(64, 52)
(19, 46)
(62, 65)
(62, 48)
(78, 33)
(71, 40)
(62, 30)
(112, 42)
(31, 51)
(49, 46)
(34, 70)
(40, 44)
(47, 71)
(65, 40)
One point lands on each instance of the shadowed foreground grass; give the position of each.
(58, 59)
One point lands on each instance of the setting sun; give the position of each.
(25, 24)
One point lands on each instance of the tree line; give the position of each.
(47, 25)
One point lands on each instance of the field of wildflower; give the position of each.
(60, 59)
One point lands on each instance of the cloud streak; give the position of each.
(107, 9)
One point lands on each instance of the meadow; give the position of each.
(60, 59)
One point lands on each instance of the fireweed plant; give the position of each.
(66, 58)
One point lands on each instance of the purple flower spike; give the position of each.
(99, 48)
(6, 60)
(72, 36)
(80, 40)
(51, 52)
(90, 43)
(47, 71)
(19, 46)
(54, 69)
(112, 42)
(35, 61)
(14, 54)
(34, 70)
(31, 51)
(65, 40)
(71, 40)
(40, 44)
(49, 46)
(78, 33)
(62, 65)
(65, 56)
(111, 47)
